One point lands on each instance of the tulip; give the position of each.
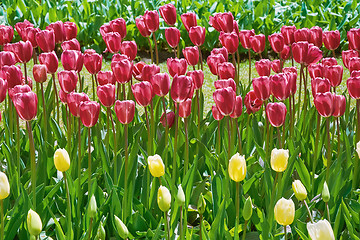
(288, 34)
(324, 103)
(148, 71)
(156, 166)
(238, 108)
(334, 74)
(168, 13)
(164, 199)
(316, 36)
(34, 224)
(219, 84)
(21, 26)
(140, 24)
(73, 100)
(172, 36)
(6, 34)
(291, 77)
(39, 73)
(225, 21)
(143, 93)
(176, 66)
(263, 67)
(105, 77)
(125, 111)
(92, 207)
(7, 58)
(302, 35)
(221, 51)
(299, 190)
(353, 36)
(63, 96)
(329, 61)
(247, 210)
(277, 42)
(4, 187)
(46, 40)
(151, 20)
(3, 89)
(70, 30)
(339, 105)
(230, 41)
(137, 70)
(121, 228)
(189, 20)
(316, 70)
(213, 61)
(320, 85)
(284, 212)
(216, 113)
(93, 62)
(305, 53)
(180, 196)
(106, 94)
(226, 70)
(191, 55)
(279, 159)
(119, 25)
(258, 43)
(261, 87)
(161, 84)
(113, 41)
(23, 51)
(325, 194)
(213, 22)
(72, 44)
(18, 89)
(197, 35)
(129, 48)
(185, 108)
(237, 168)
(89, 113)
(279, 86)
(276, 113)
(50, 60)
(59, 31)
(285, 53)
(320, 230)
(276, 66)
(122, 70)
(225, 100)
(354, 64)
(347, 55)
(61, 160)
(26, 105)
(244, 36)
(180, 88)
(331, 39)
(67, 80)
(252, 103)
(198, 78)
(170, 117)
(13, 76)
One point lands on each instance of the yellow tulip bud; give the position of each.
(325, 194)
(34, 223)
(180, 197)
(237, 168)
(121, 228)
(279, 159)
(156, 166)
(164, 199)
(61, 160)
(4, 186)
(358, 148)
(284, 212)
(247, 210)
(320, 230)
(299, 190)
(92, 206)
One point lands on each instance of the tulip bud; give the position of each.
(263, 67)
(299, 190)
(152, 20)
(216, 113)
(226, 70)
(121, 228)
(180, 197)
(261, 87)
(185, 108)
(230, 41)
(4, 186)
(172, 36)
(26, 105)
(225, 21)
(213, 61)
(181, 88)
(320, 230)
(244, 36)
(191, 54)
(279, 159)
(288, 34)
(221, 51)
(238, 107)
(277, 42)
(101, 234)
(61, 160)
(284, 212)
(197, 35)
(140, 24)
(176, 66)
(129, 48)
(168, 13)
(106, 94)
(164, 199)
(156, 166)
(247, 210)
(125, 111)
(258, 43)
(170, 117)
(39, 73)
(143, 93)
(252, 103)
(276, 113)
(34, 223)
(225, 100)
(325, 194)
(92, 207)
(201, 205)
(119, 25)
(237, 168)
(189, 20)
(331, 39)
(324, 103)
(89, 113)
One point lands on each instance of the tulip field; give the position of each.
(224, 130)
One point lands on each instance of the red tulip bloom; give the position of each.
(197, 35)
(219, 84)
(263, 67)
(191, 55)
(106, 94)
(119, 25)
(252, 103)
(140, 24)
(316, 36)
(353, 36)
(6, 34)
(30, 35)
(137, 70)
(63, 96)
(3, 89)
(39, 73)
(213, 61)
(320, 85)
(176, 66)
(18, 89)
(353, 86)
(302, 35)
(197, 77)
(230, 41)
(354, 64)
(59, 31)
(26, 105)
(13, 76)
(89, 113)
(46, 40)
(288, 34)
(279, 86)
(161, 84)
(258, 43)
(143, 93)
(276, 66)
(93, 62)
(172, 36)
(226, 70)
(316, 70)
(168, 13)
(20, 28)
(291, 74)
(339, 105)
(216, 113)
(105, 77)
(104, 29)
(331, 39)
(223, 51)
(148, 71)
(50, 60)
(261, 87)
(244, 36)
(125, 111)
(7, 58)
(225, 100)
(185, 108)
(23, 51)
(225, 21)
(151, 20)
(324, 103)
(276, 113)
(72, 60)
(170, 117)
(238, 108)
(285, 53)
(73, 100)
(334, 74)
(355, 73)
(305, 53)
(70, 30)
(67, 80)
(277, 42)
(122, 70)
(72, 44)
(236, 28)
(181, 88)
(329, 61)
(113, 41)
(213, 22)
(129, 48)
(189, 20)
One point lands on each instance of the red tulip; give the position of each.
(191, 55)
(213, 22)
(13, 76)
(7, 58)
(122, 70)
(316, 36)
(261, 87)
(89, 113)
(353, 86)
(105, 77)
(148, 71)
(263, 67)
(59, 31)
(70, 30)
(152, 20)
(276, 113)
(113, 41)
(324, 103)
(93, 62)
(238, 108)
(305, 53)
(221, 51)
(20, 28)
(258, 43)
(225, 21)
(170, 117)
(106, 94)
(334, 74)
(125, 111)
(277, 42)
(6, 34)
(226, 70)
(30, 35)
(137, 70)
(219, 84)
(129, 48)
(285, 53)
(72, 60)
(143, 93)
(23, 51)
(104, 29)
(67, 80)
(225, 100)
(236, 28)
(197, 35)
(46, 40)
(353, 36)
(176, 66)
(230, 41)
(339, 105)
(172, 36)
(161, 84)
(288, 34)
(291, 74)
(18, 89)
(213, 61)
(252, 103)
(197, 77)
(185, 108)
(216, 113)
(26, 105)
(316, 70)
(279, 86)
(39, 73)
(72, 44)
(140, 24)
(329, 61)
(302, 35)
(181, 88)
(63, 96)
(320, 85)
(189, 20)
(73, 100)
(119, 25)
(276, 66)
(50, 60)
(168, 13)
(244, 36)
(3, 89)
(331, 39)
(354, 64)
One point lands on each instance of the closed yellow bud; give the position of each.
(358, 148)
(279, 159)
(284, 212)
(4, 186)
(61, 160)
(180, 197)
(164, 199)
(325, 194)
(299, 190)
(156, 166)
(34, 223)
(237, 168)
(320, 231)
(121, 228)
(92, 207)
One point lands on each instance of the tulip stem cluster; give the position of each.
(56, 98)
(33, 163)
(237, 206)
(68, 200)
(175, 143)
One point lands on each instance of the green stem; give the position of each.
(181, 224)
(236, 74)
(167, 228)
(33, 163)
(245, 227)
(201, 219)
(148, 133)
(279, 136)
(198, 119)
(56, 97)
(125, 210)
(356, 163)
(285, 232)
(328, 150)
(201, 58)
(218, 142)
(2, 219)
(93, 86)
(25, 71)
(89, 161)
(174, 165)
(156, 49)
(68, 230)
(79, 177)
(108, 112)
(237, 200)
(308, 209)
(90, 228)
(151, 51)
(80, 82)
(299, 100)
(115, 146)
(338, 136)
(249, 53)
(229, 140)
(328, 211)
(186, 165)
(152, 128)
(18, 151)
(315, 158)
(44, 110)
(166, 132)
(239, 137)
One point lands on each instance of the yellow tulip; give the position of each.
(299, 190)
(237, 168)
(320, 230)
(156, 166)
(164, 199)
(284, 211)
(34, 223)
(61, 160)
(4, 186)
(279, 159)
